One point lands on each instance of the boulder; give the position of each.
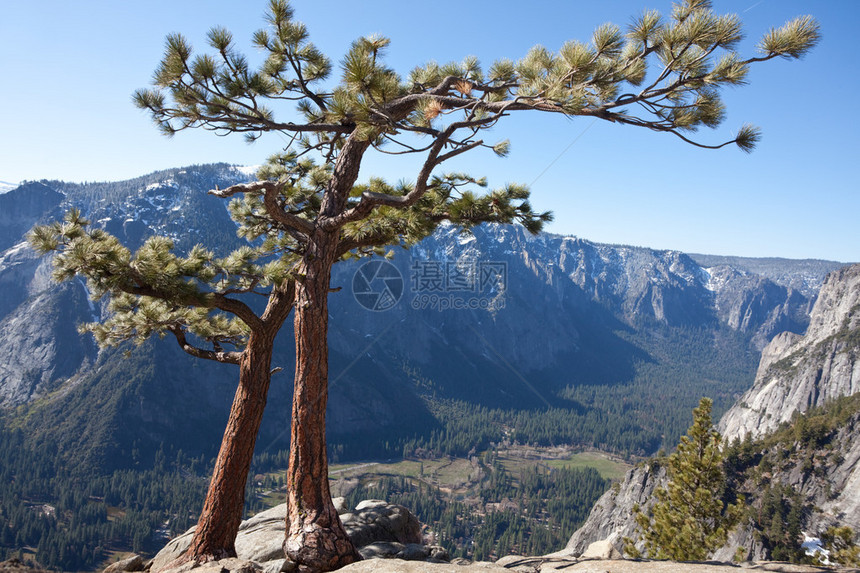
(376, 520)
(401, 566)
(407, 552)
(382, 550)
(231, 565)
(378, 529)
(340, 505)
(279, 566)
(261, 537)
(133, 563)
(603, 549)
(172, 551)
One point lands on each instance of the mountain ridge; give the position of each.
(613, 307)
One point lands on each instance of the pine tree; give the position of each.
(840, 542)
(690, 518)
(307, 210)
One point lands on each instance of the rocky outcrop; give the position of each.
(375, 521)
(805, 275)
(796, 373)
(378, 529)
(756, 305)
(611, 518)
(129, 564)
(611, 521)
(826, 478)
(800, 372)
(567, 565)
(520, 564)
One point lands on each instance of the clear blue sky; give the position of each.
(69, 69)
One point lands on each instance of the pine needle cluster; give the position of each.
(661, 73)
(155, 290)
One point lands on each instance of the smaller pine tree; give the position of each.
(690, 518)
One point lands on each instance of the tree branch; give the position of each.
(370, 200)
(270, 189)
(204, 300)
(218, 356)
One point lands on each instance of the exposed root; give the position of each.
(316, 549)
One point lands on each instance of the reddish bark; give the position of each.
(316, 539)
(222, 511)
(219, 521)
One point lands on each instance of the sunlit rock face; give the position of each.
(800, 372)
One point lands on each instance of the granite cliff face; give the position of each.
(818, 462)
(40, 347)
(611, 517)
(823, 480)
(800, 372)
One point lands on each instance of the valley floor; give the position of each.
(514, 498)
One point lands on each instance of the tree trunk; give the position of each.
(219, 521)
(316, 539)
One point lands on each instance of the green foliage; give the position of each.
(534, 514)
(815, 427)
(806, 445)
(693, 49)
(686, 363)
(793, 40)
(454, 197)
(153, 290)
(843, 549)
(626, 413)
(690, 518)
(74, 521)
(778, 521)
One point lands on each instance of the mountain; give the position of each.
(803, 275)
(20, 208)
(801, 372)
(794, 440)
(553, 339)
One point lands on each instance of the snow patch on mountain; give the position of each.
(12, 255)
(95, 315)
(249, 170)
(167, 183)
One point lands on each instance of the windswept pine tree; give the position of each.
(307, 210)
